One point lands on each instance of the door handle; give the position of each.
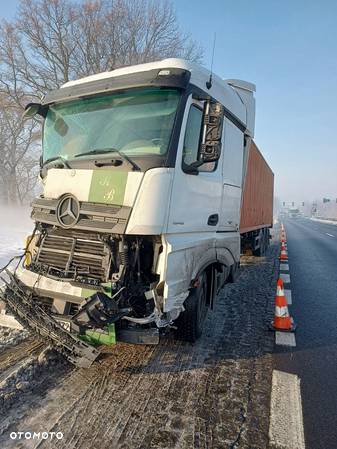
(213, 220)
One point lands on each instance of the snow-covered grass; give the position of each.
(15, 225)
(323, 220)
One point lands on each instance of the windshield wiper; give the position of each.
(54, 159)
(123, 156)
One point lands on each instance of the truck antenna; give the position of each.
(209, 82)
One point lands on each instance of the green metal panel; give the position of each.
(100, 337)
(108, 187)
(87, 292)
(107, 288)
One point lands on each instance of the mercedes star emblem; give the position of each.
(68, 211)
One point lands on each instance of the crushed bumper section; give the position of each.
(33, 317)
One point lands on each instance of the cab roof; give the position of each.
(232, 94)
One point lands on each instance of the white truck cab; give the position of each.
(142, 173)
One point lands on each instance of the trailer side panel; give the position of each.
(258, 193)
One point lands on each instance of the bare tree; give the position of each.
(27, 175)
(18, 153)
(53, 41)
(129, 32)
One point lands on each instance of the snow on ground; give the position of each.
(321, 220)
(11, 337)
(15, 225)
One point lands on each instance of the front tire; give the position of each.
(190, 322)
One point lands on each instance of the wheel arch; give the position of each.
(212, 268)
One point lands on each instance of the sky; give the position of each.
(289, 50)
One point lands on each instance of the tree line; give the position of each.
(50, 42)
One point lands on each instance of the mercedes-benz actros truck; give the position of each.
(152, 187)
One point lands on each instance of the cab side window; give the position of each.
(192, 140)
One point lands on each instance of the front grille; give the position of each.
(72, 255)
(93, 216)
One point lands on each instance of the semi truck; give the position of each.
(152, 188)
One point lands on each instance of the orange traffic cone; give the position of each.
(283, 246)
(283, 255)
(282, 320)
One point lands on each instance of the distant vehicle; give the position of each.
(152, 187)
(294, 213)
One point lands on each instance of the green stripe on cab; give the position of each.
(87, 292)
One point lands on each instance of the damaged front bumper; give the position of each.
(77, 336)
(33, 317)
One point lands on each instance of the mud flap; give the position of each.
(139, 336)
(234, 273)
(31, 316)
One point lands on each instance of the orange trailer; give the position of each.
(257, 201)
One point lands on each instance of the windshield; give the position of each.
(136, 123)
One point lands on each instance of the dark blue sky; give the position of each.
(289, 50)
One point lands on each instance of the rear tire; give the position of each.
(258, 252)
(264, 241)
(190, 322)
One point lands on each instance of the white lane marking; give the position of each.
(285, 278)
(284, 267)
(330, 235)
(285, 339)
(286, 418)
(287, 294)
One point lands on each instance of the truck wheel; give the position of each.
(191, 321)
(263, 246)
(259, 252)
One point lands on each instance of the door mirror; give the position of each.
(210, 146)
(31, 110)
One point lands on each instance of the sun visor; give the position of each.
(162, 77)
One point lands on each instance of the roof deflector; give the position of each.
(246, 91)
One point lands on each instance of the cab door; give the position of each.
(196, 192)
(232, 169)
